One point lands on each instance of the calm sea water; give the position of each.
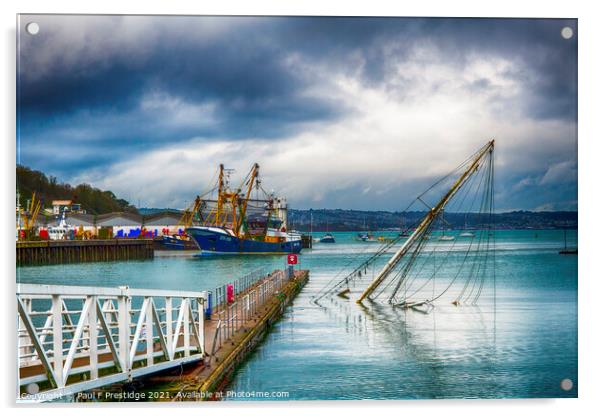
(522, 345)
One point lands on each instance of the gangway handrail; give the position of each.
(43, 289)
(108, 332)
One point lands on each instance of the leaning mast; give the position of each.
(428, 219)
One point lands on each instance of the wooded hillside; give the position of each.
(47, 188)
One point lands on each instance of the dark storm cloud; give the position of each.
(247, 62)
(83, 92)
(240, 68)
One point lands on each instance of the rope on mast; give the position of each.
(411, 261)
(430, 216)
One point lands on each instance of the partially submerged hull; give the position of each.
(176, 243)
(215, 240)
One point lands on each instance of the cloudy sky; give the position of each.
(358, 113)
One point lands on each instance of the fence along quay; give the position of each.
(141, 334)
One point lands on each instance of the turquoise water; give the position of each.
(522, 345)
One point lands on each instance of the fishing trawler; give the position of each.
(60, 231)
(235, 223)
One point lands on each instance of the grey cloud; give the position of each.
(83, 80)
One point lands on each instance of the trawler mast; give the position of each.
(427, 220)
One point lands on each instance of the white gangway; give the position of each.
(76, 338)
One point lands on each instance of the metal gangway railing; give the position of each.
(251, 292)
(76, 338)
(240, 285)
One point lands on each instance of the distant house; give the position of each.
(60, 205)
(77, 208)
(66, 205)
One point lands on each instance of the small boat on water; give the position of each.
(566, 249)
(327, 238)
(181, 240)
(177, 242)
(466, 233)
(444, 237)
(366, 237)
(405, 232)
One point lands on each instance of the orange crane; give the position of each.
(31, 214)
(189, 213)
(231, 204)
(243, 205)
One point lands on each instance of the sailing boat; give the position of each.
(404, 231)
(444, 237)
(567, 250)
(327, 238)
(366, 236)
(466, 233)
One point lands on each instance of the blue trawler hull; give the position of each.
(213, 240)
(172, 243)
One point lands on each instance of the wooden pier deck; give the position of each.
(137, 338)
(37, 253)
(207, 379)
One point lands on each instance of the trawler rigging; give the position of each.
(235, 223)
(406, 278)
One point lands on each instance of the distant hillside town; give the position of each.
(354, 220)
(351, 220)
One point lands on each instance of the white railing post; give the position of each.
(228, 321)
(187, 317)
(101, 337)
(27, 303)
(149, 333)
(169, 326)
(140, 325)
(57, 336)
(201, 330)
(93, 341)
(77, 338)
(123, 317)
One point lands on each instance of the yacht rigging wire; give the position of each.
(405, 282)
